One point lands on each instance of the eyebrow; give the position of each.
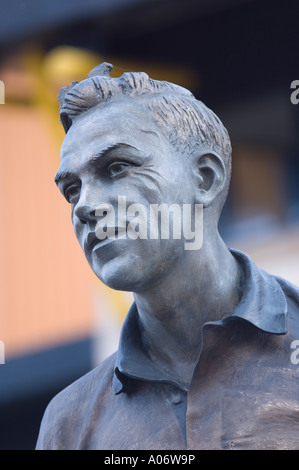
(63, 175)
(93, 161)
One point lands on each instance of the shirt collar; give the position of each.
(263, 304)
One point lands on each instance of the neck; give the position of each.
(203, 286)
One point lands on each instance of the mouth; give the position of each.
(92, 242)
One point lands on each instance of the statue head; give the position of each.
(161, 144)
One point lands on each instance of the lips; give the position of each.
(92, 241)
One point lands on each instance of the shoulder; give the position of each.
(66, 410)
(85, 386)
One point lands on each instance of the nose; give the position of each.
(85, 209)
(85, 213)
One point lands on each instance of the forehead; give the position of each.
(105, 126)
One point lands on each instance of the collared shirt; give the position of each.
(244, 393)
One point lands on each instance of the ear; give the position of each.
(210, 174)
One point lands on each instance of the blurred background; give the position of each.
(238, 56)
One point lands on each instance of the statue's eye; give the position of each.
(72, 193)
(117, 168)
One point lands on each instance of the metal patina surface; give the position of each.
(205, 354)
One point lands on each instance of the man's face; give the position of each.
(118, 151)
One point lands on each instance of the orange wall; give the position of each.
(44, 278)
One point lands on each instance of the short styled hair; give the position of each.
(188, 124)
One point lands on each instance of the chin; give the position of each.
(131, 270)
(118, 274)
(125, 274)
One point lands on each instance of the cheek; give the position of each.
(146, 187)
(78, 228)
(164, 185)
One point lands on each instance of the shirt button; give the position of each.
(177, 399)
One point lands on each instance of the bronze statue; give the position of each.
(204, 359)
